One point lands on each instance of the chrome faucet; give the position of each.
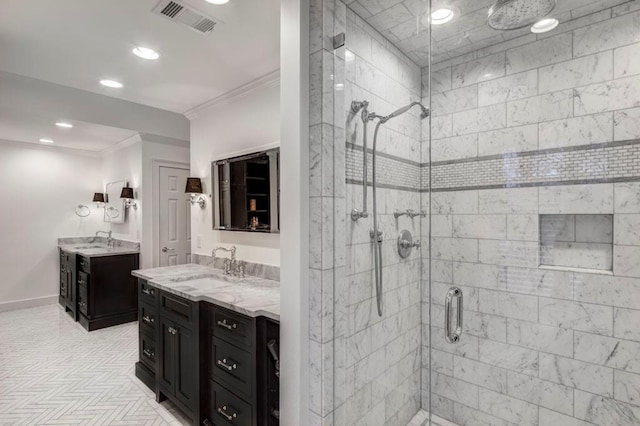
(231, 265)
(110, 240)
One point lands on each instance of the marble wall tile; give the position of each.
(627, 197)
(606, 35)
(508, 408)
(607, 351)
(540, 337)
(609, 96)
(626, 324)
(507, 201)
(557, 227)
(441, 225)
(508, 305)
(538, 54)
(625, 261)
(625, 60)
(594, 228)
(596, 319)
(479, 120)
(462, 202)
(456, 249)
(576, 374)
(627, 229)
(455, 389)
(438, 80)
(441, 127)
(588, 129)
(508, 253)
(511, 357)
(550, 417)
(485, 326)
(626, 124)
(540, 392)
(511, 139)
(626, 387)
(608, 290)
(577, 255)
(577, 72)
(455, 100)
(480, 226)
(454, 148)
(509, 88)
(478, 275)
(522, 227)
(466, 347)
(483, 375)
(546, 107)
(580, 199)
(463, 415)
(540, 282)
(485, 68)
(600, 410)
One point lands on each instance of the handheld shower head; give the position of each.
(424, 114)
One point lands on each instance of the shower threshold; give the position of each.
(422, 419)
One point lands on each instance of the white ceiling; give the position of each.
(78, 42)
(404, 23)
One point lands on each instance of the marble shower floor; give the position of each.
(54, 372)
(422, 419)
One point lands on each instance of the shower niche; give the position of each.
(247, 191)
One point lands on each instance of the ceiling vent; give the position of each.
(186, 15)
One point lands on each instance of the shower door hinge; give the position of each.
(339, 40)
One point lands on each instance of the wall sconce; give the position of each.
(194, 189)
(98, 198)
(128, 197)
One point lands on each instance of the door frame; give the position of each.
(157, 164)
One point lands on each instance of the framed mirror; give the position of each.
(114, 210)
(246, 192)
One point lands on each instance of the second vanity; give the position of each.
(209, 342)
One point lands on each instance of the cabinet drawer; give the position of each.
(232, 327)
(83, 302)
(83, 281)
(232, 366)
(84, 264)
(227, 409)
(147, 318)
(179, 309)
(147, 349)
(148, 294)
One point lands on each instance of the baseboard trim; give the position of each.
(28, 303)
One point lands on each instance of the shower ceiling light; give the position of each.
(217, 1)
(43, 140)
(441, 16)
(111, 83)
(145, 53)
(544, 25)
(63, 124)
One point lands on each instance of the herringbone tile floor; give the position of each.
(53, 372)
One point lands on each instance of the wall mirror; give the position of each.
(246, 192)
(114, 210)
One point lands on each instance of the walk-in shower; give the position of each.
(376, 233)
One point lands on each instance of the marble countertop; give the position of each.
(97, 246)
(251, 296)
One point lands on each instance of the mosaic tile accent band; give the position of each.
(600, 163)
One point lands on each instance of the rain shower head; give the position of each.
(516, 14)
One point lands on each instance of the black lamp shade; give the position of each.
(127, 193)
(194, 186)
(98, 197)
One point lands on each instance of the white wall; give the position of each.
(237, 124)
(40, 188)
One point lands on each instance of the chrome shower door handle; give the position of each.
(452, 335)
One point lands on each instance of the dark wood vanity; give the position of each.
(213, 363)
(99, 291)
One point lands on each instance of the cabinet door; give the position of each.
(186, 366)
(167, 355)
(63, 277)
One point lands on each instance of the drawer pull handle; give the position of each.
(172, 330)
(224, 364)
(83, 304)
(147, 319)
(228, 326)
(82, 282)
(148, 291)
(82, 263)
(149, 354)
(62, 269)
(223, 410)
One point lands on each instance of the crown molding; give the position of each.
(271, 79)
(131, 140)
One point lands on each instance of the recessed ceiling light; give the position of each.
(145, 53)
(217, 1)
(63, 124)
(43, 140)
(544, 25)
(111, 83)
(441, 16)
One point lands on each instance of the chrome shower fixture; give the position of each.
(424, 114)
(411, 213)
(516, 14)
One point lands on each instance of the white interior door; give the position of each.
(175, 217)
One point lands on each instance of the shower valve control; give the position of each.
(406, 243)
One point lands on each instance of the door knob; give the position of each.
(166, 249)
